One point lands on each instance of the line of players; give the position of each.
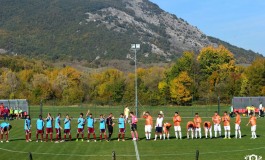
(193, 127)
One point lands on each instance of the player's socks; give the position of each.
(196, 134)
(225, 134)
(29, 135)
(100, 136)
(160, 136)
(88, 136)
(236, 134)
(37, 136)
(155, 137)
(200, 134)
(77, 136)
(6, 136)
(105, 137)
(94, 135)
(176, 134)
(168, 136)
(149, 135)
(180, 135)
(136, 135)
(206, 134)
(123, 136)
(211, 134)
(51, 136)
(191, 135)
(229, 134)
(215, 134)
(82, 135)
(146, 135)
(41, 137)
(46, 137)
(132, 135)
(188, 136)
(57, 137)
(119, 136)
(26, 137)
(239, 133)
(220, 134)
(70, 137)
(164, 136)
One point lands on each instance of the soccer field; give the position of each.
(233, 149)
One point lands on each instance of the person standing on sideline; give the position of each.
(126, 113)
(253, 122)
(40, 128)
(49, 129)
(80, 127)
(226, 121)
(134, 132)
(159, 126)
(110, 125)
(4, 130)
(207, 128)
(102, 127)
(237, 125)
(190, 128)
(90, 126)
(27, 128)
(217, 126)
(177, 127)
(121, 122)
(67, 127)
(197, 121)
(58, 128)
(148, 125)
(260, 109)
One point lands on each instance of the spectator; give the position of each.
(5, 113)
(11, 113)
(16, 113)
(260, 109)
(1, 109)
(20, 113)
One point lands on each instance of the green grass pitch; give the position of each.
(233, 149)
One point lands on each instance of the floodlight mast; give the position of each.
(135, 47)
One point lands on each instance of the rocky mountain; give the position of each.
(94, 30)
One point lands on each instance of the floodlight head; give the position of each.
(135, 46)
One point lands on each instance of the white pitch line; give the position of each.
(136, 150)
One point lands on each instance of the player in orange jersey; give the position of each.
(166, 128)
(190, 128)
(207, 128)
(148, 125)
(217, 126)
(177, 127)
(226, 121)
(253, 122)
(237, 125)
(197, 121)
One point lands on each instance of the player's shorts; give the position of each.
(102, 130)
(67, 131)
(227, 128)
(49, 130)
(80, 130)
(177, 128)
(198, 129)
(253, 128)
(58, 130)
(217, 127)
(90, 130)
(159, 129)
(39, 131)
(206, 129)
(27, 131)
(122, 130)
(134, 127)
(148, 128)
(237, 127)
(190, 129)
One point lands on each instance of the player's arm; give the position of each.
(88, 111)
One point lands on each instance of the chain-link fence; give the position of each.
(204, 110)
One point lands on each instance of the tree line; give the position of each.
(210, 74)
